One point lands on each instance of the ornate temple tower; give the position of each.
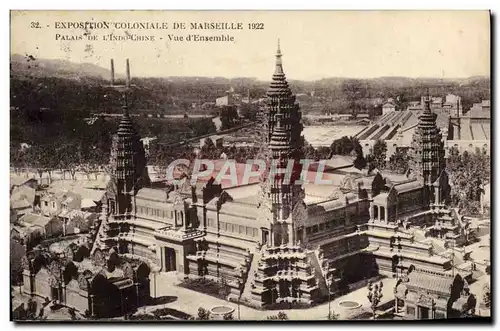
(283, 270)
(284, 142)
(280, 97)
(427, 160)
(428, 165)
(128, 165)
(127, 169)
(128, 160)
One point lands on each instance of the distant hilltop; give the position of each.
(37, 67)
(28, 65)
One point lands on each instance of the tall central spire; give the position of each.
(279, 64)
(284, 144)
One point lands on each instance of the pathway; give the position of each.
(189, 301)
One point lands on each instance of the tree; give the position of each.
(468, 173)
(201, 127)
(345, 145)
(203, 314)
(378, 184)
(354, 90)
(228, 117)
(228, 317)
(249, 111)
(323, 153)
(360, 162)
(281, 316)
(379, 153)
(374, 296)
(399, 161)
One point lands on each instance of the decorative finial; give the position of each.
(279, 69)
(427, 103)
(128, 73)
(125, 103)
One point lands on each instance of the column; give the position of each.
(371, 210)
(378, 214)
(386, 214)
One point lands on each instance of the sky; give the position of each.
(315, 44)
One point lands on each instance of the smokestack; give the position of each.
(112, 72)
(128, 73)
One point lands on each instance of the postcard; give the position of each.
(250, 165)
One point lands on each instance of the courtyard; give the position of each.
(189, 301)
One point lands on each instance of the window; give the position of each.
(46, 203)
(321, 226)
(242, 229)
(308, 230)
(410, 311)
(255, 232)
(315, 229)
(53, 204)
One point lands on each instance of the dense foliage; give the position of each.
(468, 173)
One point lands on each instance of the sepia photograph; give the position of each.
(250, 166)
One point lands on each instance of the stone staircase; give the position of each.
(318, 273)
(98, 237)
(247, 290)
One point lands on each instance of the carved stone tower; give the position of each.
(127, 170)
(284, 272)
(427, 150)
(281, 191)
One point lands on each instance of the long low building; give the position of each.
(465, 132)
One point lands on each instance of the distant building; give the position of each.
(54, 203)
(227, 100)
(453, 105)
(46, 226)
(472, 130)
(76, 221)
(388, 107)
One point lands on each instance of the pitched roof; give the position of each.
(408, 186)
(438, 282)
(34, 219)
(20, 204)
(16, 180)
(152, 194)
